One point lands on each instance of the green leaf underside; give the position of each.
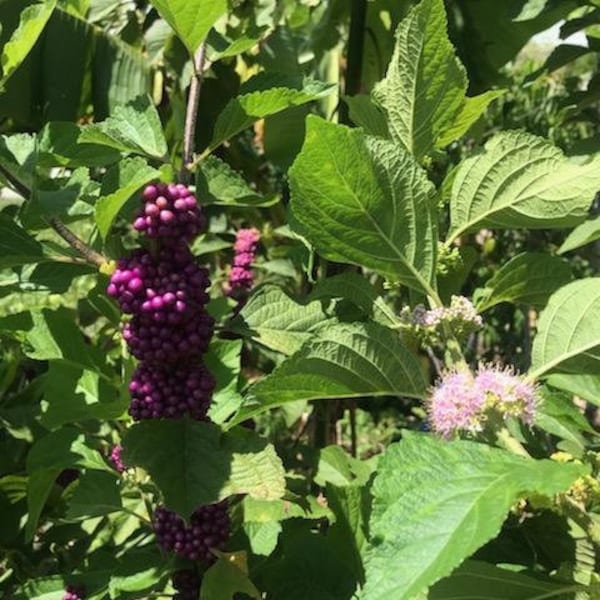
(196, 464)
(568, 337)
(528, 278)
(583, 234)
(32, 22)
(521, 180)
(191, 20)
(363, 200)
(341, 361)
(423, 92)
(264, 95)
(436, 502)
(476, 579)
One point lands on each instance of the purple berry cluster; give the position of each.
(169, 212)
(74, 593)
(241, 276)
(116, 460)
(208, 530)
(172, 393)
(187, 584)
(164, 292)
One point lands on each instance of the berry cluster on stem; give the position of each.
(241, 276)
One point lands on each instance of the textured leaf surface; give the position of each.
(476, 579)
(521, 180)
(32, 22)
(135, 127)
(196, 464)
(583, 234)
(361, 199)
(120, 183)
(218, 183)
(568, 337)
(276, 321)
(528, 278)
(341, 361)
(261, 96)
(191, 19)
(437, 502)
(423, 92)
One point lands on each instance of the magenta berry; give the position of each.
(241, 276)
(208, 529)
(169, 212)
(74, 593)
(172, 392)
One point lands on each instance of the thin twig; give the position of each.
(90, 255)
(189, 132)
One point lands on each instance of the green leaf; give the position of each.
(17, 247)
(261, 96)
(276, 321)
(217, 183)
(55, 335)
(135, 128)
(120, 183)
(97, 494)
(568, 338)
(360, 199)
(436, 502)
(338, 468)
(471, 110)
(476, 579)
(584, 386)
(341, 361)
(223, 361)
(41, 588)
(263, 536)
(528, 278)
(191, 20)
(224, 580)
(364, 113)
(74, 395)
(60, 145)
(586, 233)
(423, 93)
(521, 180)
(195, 463)
(32, 22)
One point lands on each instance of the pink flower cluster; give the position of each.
(462, 402)
(241, 276)
(115, 458)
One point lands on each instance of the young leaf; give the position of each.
(360, 199)
(423, 92)
(195, 464)
(583, 234)
(528, 278)
(32, 22)
(218, 183)
(568, 338)
(476, 579)
(264, 95)
(191, 20)
(120, 183)
(135, 128)
(341, 361)
(521, 180)
(436, 502)
(274, 320)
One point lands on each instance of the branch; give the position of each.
(90, 255)
(189, 132)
